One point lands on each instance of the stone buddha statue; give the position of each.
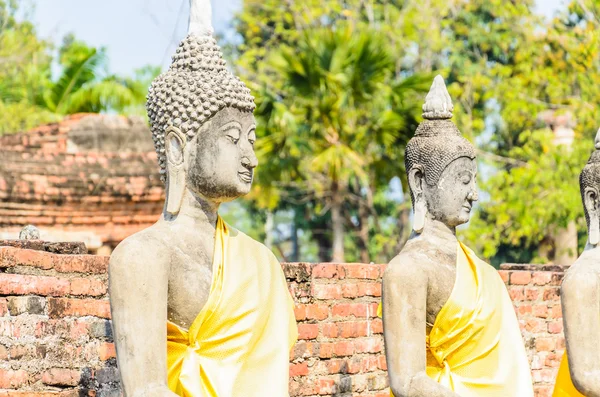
(198, 307)
(579, 374)
(449, 325)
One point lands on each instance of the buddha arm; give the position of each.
(580, 297)
(404, 317)
(138, 283)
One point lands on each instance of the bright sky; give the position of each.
(142, 32)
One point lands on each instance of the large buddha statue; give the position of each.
(449, 325)
(579, 375)
(200, 309)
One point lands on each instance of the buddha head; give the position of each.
(589, 184)
(202, 122)
(440, 164)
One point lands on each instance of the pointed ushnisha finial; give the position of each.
(438, 105)
(200, 23)
(597, 140)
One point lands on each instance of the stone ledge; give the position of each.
(69, 248)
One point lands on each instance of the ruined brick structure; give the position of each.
(55, 334)
(91, 178)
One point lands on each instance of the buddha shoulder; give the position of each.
(146, 249)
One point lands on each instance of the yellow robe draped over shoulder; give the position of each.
(475, 347)
(239, 344)
(564, 385)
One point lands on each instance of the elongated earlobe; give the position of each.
(419, 218)
(415, 183)
(175, 145)
(590, 201)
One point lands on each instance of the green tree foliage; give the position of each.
(504, 65)
(336, 122)
(30, 95)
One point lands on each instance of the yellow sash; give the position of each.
(564, 386)
(239, 344)
(475, 347)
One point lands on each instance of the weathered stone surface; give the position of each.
(75, 248)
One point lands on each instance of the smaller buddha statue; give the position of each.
(450, 328)
(579, 372)
(199, 308)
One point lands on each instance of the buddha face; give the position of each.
(220, 159)
(450, 201)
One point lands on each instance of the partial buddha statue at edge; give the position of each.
(579, 372)
(200, 309)
(449, 325)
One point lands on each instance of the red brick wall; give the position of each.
(55, 334)
(535, 291)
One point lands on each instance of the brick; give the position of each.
(540, 311)
(3, 307)
(101, 329)
(327, 291)
(61, 377)
(516, 293)
(88, 287)
(66, 307)
(17, 284)
(361, 271)
(327, 270)
(352, 329)
(504, 275)
(311, 312)
(369, 289)
(308, 331)
(541, 278)
(520, 278)
(300, 369)
(358, 310)
(555, 327)
(552, 294)
(369, 345)
(326, 387)
(532, 294)
(106, 351)
(26, 304)
(303, 349)
(11, 379)
(326, 350)
(545, 344)
(535, 325)
(343, 349)
(329, 330)
(10, 257)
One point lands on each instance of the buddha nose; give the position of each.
(250, 161)
(473, 195)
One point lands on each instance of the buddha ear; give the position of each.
(416, 180)
(174, 150)
(590, 201)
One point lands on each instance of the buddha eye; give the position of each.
(233, 139)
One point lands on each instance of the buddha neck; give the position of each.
(196, 210)
(439, 234)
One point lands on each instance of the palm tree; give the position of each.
(334, 120)
(84, 85)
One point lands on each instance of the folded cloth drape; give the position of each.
(240, 341)
(475, 347)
